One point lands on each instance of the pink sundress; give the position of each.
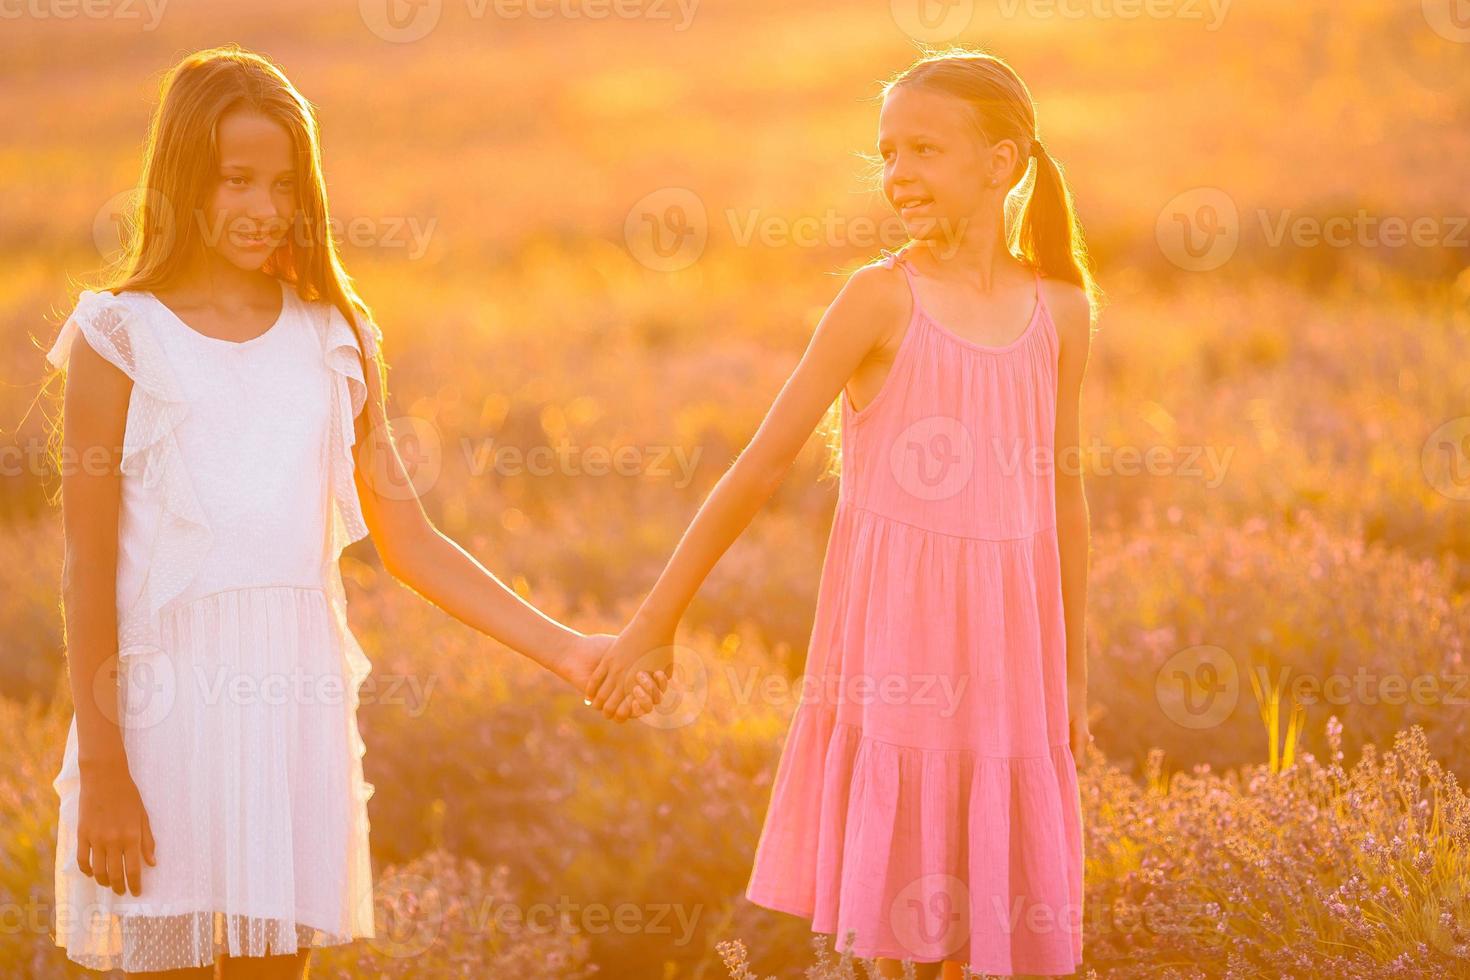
(926, 797)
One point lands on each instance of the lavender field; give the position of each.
(1276, 424)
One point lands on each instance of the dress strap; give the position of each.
(891, 258)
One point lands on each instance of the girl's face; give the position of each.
(249, 213)
(936, 163)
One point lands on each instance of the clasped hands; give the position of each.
(625, 675)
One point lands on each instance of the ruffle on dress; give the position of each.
(947, 828)
(926, 854)
(118, 331)
(350, 395)
(347, 524)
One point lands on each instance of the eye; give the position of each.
(922, 147)
(287, 183)
(231, 178)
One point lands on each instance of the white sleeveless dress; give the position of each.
(238, 677)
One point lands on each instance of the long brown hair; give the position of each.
(163, 228)
(1047, 235)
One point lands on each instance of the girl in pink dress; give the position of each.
(927, 798)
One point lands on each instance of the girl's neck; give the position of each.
(980, 255)
(214, 280)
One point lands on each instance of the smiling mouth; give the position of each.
(910, 203)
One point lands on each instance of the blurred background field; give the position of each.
(1278, 475)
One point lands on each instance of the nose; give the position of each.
(260, 207)
(898, 172)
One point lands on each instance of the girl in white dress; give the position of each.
(226, 425)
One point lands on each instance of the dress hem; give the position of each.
(776, 905)
(308, 937)
(828, 855)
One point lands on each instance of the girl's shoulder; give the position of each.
(884, 283)
(108, 305)
(883, 276)
(115, 324)
(1069, 308)
(871, 308)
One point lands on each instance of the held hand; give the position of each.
(639, 701)
(113, 835)
(635, 668)
(582, 657)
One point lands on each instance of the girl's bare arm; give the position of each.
(1070, 313)
(872, 302)
(433, 565)
(113, 836)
